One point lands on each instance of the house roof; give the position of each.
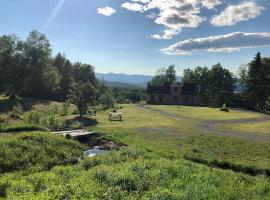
(187, 89)
(158, 90)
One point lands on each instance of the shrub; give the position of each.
(17, 111)
(65, 108)
(107, 100)
(88, 163)
(2, 120)
(37, 151)
(34, 118)
(224, 109)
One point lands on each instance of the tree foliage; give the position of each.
(164, 76)
(216, 85)
(82, 94)
(28, 69)
(256, 80)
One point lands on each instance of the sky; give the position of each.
(140, 36)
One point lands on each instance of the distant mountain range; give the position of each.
(125, 79)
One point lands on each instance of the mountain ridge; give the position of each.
(136, 80)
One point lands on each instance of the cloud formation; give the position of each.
(133, 7)
(107, 11)
(237, 13)
(222, 43)
(173, 14)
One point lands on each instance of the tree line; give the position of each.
(217, 85)
(28, 69)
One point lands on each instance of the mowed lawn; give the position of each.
(206, 113)
(253, 127)
(183, 137)
(165, 158)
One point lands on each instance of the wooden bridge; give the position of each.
(74, 133)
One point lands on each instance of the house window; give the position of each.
(186, 99)
(175, 98)
(160, 99)
(175, 89)
(152, 98)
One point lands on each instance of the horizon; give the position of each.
(137, 37)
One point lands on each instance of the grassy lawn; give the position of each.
(205, 113)
(165, 159)
(256, 127)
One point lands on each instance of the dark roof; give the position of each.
(189, 89)
(158, 90)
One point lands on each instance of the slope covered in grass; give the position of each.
(134, 174)
(36, 151)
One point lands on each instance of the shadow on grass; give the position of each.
(251, 170)
(6, 105)
(85, 121)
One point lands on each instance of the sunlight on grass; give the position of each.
(255, 127)
(205, 113)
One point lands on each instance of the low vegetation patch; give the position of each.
(134, 174)
(37, 152)
(230, 153)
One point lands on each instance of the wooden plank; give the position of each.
(74, 133)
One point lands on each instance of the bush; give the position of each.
(107, 100)
(17, 111)
(65, 108)
(37, 151)
(224, 109)
(2, 120)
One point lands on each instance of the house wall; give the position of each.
(187, 100)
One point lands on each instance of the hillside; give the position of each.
(137, 80)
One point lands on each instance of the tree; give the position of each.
(51, 79)
(256, 82)
(107, 100)
(12, 70)
(216, 85)
(170, 75)
(82, 94)
(64, 68)
(222, 85)
(37, 58)
(164, 77)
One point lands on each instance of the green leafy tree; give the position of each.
(65, 69)
(216, 85)
(107, 100)
(82, 94)
(38, 59)
(51, 79)
(164, 77)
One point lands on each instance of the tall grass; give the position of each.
(134, 174)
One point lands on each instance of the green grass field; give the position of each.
(165, 158)
(205, 113)
(255, 127)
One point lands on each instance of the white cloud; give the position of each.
(222, 43)
(210, 4)
(133, 7)
(107, 11)
(173, 14)
(237, 13)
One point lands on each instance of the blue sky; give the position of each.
(127, 36)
